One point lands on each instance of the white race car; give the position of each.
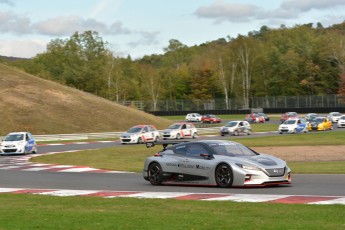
(18, 143)
(140, 134)
(235, 128)
(214, 162)
(334, 116)
(341, 122)
(180, 130)
(193, 117)
(293, 125)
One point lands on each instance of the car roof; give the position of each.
(15, 133)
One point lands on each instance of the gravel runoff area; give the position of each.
(306, 153)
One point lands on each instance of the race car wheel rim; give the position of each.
(155, 174)
(224, 176)
(178, 136)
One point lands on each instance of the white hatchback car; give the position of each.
(180, 130)
(341, 122)
(193, 117)
(140, 134)
(235, 128)
(293, 125)
(334, 116)
(18, 143)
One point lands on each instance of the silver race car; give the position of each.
(214, 162)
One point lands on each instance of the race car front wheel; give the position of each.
(155, 174)
(224, 176)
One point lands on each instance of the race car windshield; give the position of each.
(231, 124)
(174, 126)
(289, 122)
(16, 137)
(319, 120)
(134, 130)
(232, 150)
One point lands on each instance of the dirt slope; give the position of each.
(29, 103)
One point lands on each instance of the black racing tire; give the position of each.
(224, 176)
(178, 136)
(194, 135)
(140, 141)
(156, 139)
(155, 174)
(236, 133)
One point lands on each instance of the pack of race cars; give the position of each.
(291, 122)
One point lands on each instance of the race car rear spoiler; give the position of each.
(165, 144)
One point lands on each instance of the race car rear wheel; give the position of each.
(155, 174)
(224, 176)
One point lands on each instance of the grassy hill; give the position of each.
(29, 103)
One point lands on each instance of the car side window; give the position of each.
(194, 150)
(145, 130)
(180, 150)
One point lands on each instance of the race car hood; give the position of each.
(229, 128)
(315, 123)
(129, 134)
(261, 161)
(170, 130)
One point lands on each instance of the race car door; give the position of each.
(185, 131)
(194, 164)
(301, 126)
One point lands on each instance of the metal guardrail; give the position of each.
(106, 135)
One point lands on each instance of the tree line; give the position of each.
(302, 60)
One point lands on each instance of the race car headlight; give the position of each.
(248, 167)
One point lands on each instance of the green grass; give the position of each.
(45, 212)
(334, 167)
(309, 139)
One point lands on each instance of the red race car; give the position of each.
(288, 115)
(209, 118)
(255, 118)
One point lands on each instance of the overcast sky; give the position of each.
(144, 27)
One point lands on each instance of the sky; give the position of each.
(144, 27)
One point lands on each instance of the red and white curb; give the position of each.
(285, 199)
(21, 163)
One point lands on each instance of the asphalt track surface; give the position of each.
(303, 184)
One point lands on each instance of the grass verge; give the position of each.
(306, 139)
(45, 212)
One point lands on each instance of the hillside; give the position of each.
(29, 103)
